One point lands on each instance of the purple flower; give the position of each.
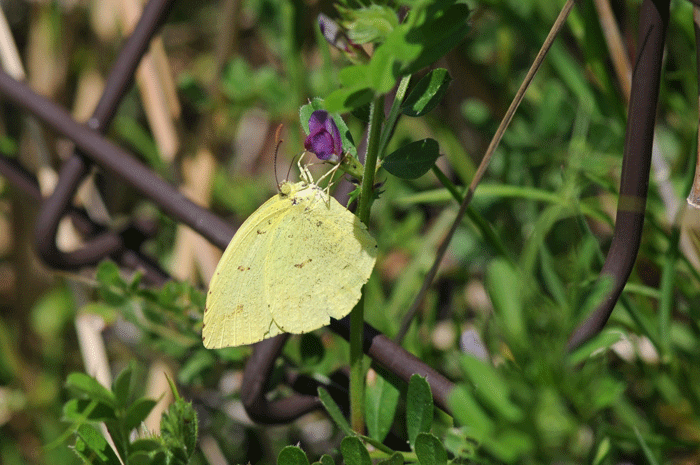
(324, 137)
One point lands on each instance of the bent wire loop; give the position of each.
(92, 147)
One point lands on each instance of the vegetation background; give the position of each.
(217, 81)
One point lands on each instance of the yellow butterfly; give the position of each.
(298, 260)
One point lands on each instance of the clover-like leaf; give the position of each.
(412, 160)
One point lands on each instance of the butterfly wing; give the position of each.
(320, 258)
(236, 312)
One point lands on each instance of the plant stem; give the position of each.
(376, 117)
(393, 114)
(357, 317)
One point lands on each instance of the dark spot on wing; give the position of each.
(301, 265)
(236, 311)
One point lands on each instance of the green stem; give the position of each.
(393, 114)
(357, 316)
(376, 117)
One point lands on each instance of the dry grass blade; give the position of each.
(694, 196)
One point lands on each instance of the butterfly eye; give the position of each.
(285, 188)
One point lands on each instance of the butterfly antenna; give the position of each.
(278, 142)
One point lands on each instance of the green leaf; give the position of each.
(326, 460)
(179, 427)
(602, 451)
(145, 445)
(92, 445)
(122, 386)
(426, 95)
(312, 349)
(381, 399)
(354, 452)
(368, 24)
(467, 412)
(194, 91)
(438, 36)
(80, 410)
(87, 387)
(140, 140)
(606, 392)
(196, 364)
(504, 288)
(425, 37)
(436, 32)
(137, 412)
(334, 411)
(112, 286)
(348, 99)
(108, 312)
(51, 313)
(412, 160)
(490, 387)
(362, 113)
(459, 444)
(395, 459)
(292, 455)
(604, 340)
(510, 445)
(149, 451)
(147, 458)
(430, 450)
(241, 84)
(8, 146)
(419, 408)
(356, 76)
(305, 112)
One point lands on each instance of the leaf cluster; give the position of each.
(121, 412)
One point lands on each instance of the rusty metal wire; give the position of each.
(93, 148)
(636, 162)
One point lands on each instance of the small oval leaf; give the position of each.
(426, 95)
(430, 450)
(122, 386)
(490, 387)
(137, 412)
(354, 452)
(87, 387)
(413, 160)
(504, 287)
(381, 399)
(419, 408)
(469, 413)
(91, 443)
(395, 459)
(334, 411)
(292, 455)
